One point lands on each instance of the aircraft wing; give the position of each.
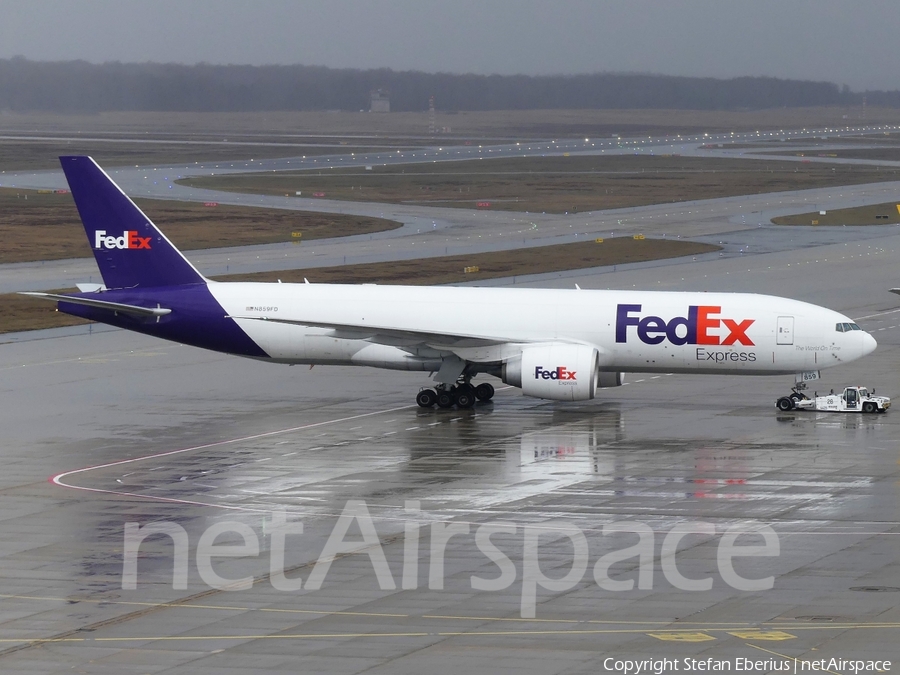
(373, 333)
(467, 346)
(134, 310)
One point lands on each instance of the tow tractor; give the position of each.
(853, 399)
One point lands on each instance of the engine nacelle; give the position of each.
(559, 372)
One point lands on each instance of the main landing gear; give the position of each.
(462, 395)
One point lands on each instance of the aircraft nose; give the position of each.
(868, 344)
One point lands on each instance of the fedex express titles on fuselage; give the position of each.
(707, 337)
(703, 329)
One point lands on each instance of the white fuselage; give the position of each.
(633, 331)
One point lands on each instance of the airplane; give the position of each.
(556, 344)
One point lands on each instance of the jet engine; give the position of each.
(556, 371)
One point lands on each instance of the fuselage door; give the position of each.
(785, 331)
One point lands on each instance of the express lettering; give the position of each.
(558, 373)
(724, 357)
(129, 239)
(693, 329)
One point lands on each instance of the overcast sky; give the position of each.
(853, 42)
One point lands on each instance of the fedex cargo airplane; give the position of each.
(552, 343)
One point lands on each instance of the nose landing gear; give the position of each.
(462, 395)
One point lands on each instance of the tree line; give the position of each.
(82, 87)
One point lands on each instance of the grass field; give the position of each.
(36, 226)
(20, 312)
(879, 138)
(889, 154)
(876, 214)
(25, 313)
(553, 184)
(492, 265)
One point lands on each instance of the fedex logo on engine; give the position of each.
(558, 373)
(693, 329)
(129, 239)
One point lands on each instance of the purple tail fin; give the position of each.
(130, 251)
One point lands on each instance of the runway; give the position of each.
(110, 428)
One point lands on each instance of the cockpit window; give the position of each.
(846, 327)
(855, 327)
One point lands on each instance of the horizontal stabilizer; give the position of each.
(92, 288)
(895, 290)
(135, 310)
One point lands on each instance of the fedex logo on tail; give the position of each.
(558, 373)
(129, 239)
(693, 329)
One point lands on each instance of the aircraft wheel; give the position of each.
(426, 398)
(444, 399)
(484, 391)
(869, 407)
(465, 398)
(785, 403)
